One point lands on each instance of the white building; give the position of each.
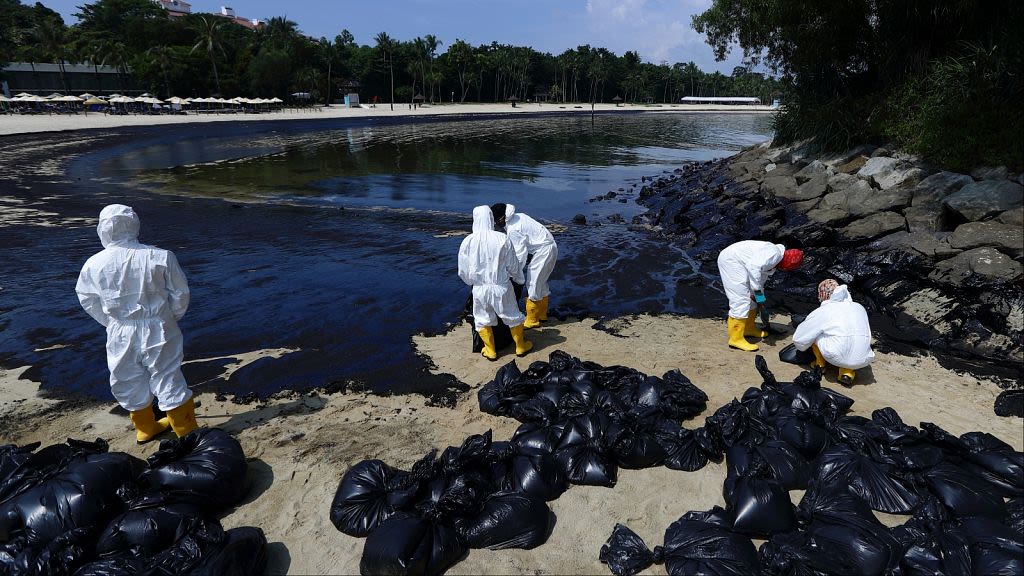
(175, 7)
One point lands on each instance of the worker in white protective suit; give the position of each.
(487, 262)
(139, 293)
(837, 331)
(530, 238)
(745, 268)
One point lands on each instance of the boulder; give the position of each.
(979, 200)
(990, 173)
(1013, 217)
(898, 177)
(936, 187)
(779, 155)
(932, 245)
(865, 200)
(816, 168)
(874, 226)
(877, 165)
(1008, 239)
(835, 160)
(780, 186)
(769, 167)
(840, 181)
(930, 307)
(925, 218)
(827, 216)
(813, 188)
(853, 165)
(805, 206)
(987, 262)
(784, 169)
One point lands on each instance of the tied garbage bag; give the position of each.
(881, 487)
(584, 452)
(113, 567)
(757, 502)
(697, 543)
(507, 520)
(1015, 515)
(242, 552)
(1010, 403)
(680, 399)
(964, 493)
(408, 544)
(62, 555)
(11, 458)
(636, 441)
(791, 355)
(206, 466)
(532, 472)
(996, 461)
(797, 427)
(151, 523)
(506, 390)
(682, 451)
(82, 495)
(34, 468)
(542, 437)
(369, 493)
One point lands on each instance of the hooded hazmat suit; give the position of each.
(531, 237)
(745, 267)
(486, 262)
(138, 293)
(840, 329)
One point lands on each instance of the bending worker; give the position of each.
(487, 262)
(837, 331)
(139, 293)
(745, 268)
(530, 238)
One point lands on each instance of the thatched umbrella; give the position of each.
(617, 100)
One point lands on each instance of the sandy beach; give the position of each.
(299, 445)
(18, 124)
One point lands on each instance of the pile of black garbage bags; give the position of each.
(581, 421)
(964, 495)
(77, 509)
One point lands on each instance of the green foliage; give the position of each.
(265, 77)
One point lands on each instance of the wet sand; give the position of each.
(18, 124)
(300, 445)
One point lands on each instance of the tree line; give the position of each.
(204, 54)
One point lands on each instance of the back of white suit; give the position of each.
(487, 262)
(841, 330)
(531, 237)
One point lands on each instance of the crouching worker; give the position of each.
(837, 331)
(487, 262)
(530, 238)
(139, 293)
(745, 268)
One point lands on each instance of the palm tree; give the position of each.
(209, 39)
(387, 46)
(328, 51)
(432, 45)
(163, 58)
(116, 54)
(51, 35)
(281, 31)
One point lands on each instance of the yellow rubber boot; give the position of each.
(183, 418)
(819, 360)
(487, 335)
(736, 339)
(147, 426)
(750, 326)
(542, 309)
(846, 376)
(531, 314)
(522, 344)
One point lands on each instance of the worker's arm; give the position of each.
(464, 263)
(513, 265)
(178, 294)
(808, 332)
(518, 240)
(89, 298)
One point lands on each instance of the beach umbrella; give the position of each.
(86, 96)
(176, 100)
(68, 98)
(276, 100)
(4, 98)
(94, 101)
(54, 96)
(22, 95)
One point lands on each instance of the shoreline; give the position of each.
(13, 125)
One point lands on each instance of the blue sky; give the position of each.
(659, 30)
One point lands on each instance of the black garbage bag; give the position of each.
(11, 458)
(682, 450)
(409, 544)
(995, 547)
(539, 436)
(206, 466)
(202, 537)
(553, 392)
(113, 567)
(242, 552)
(536, 409)
(533, 472)
(151, 523)
(840, 531)
(584, 451)
(791, 355)
(680, 398)
(758, 503)
(62, 555)
(964, 493)
(877, 483)
(797, 427)
(765, 402)
(996, 461)
(697, 543)
(1010, 403)
(507, 520)
(33, 469)
(1015, 515)
(728, 426)
(636, 442)
(474, 454)
(892, 441)
(369, 493)
(82, 495)
(506, 390)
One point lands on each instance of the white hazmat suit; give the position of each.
(139, 293)
(531, 237)
(486, 262)
(745, 267)
(840, 329)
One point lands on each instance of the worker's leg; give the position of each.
(484, 320)
(129, 380)
(508, 310)
(163, 355)
(541, 267)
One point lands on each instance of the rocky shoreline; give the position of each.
(935, 256)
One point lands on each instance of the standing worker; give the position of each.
(487, 262)
(837, 331)
(139, 293)
(530, 238)
(745, 267)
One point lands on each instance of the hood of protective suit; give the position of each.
(510, 209)
(483, 219)
(841, 294)
(119, 225)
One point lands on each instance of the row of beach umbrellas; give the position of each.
(90, 99)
